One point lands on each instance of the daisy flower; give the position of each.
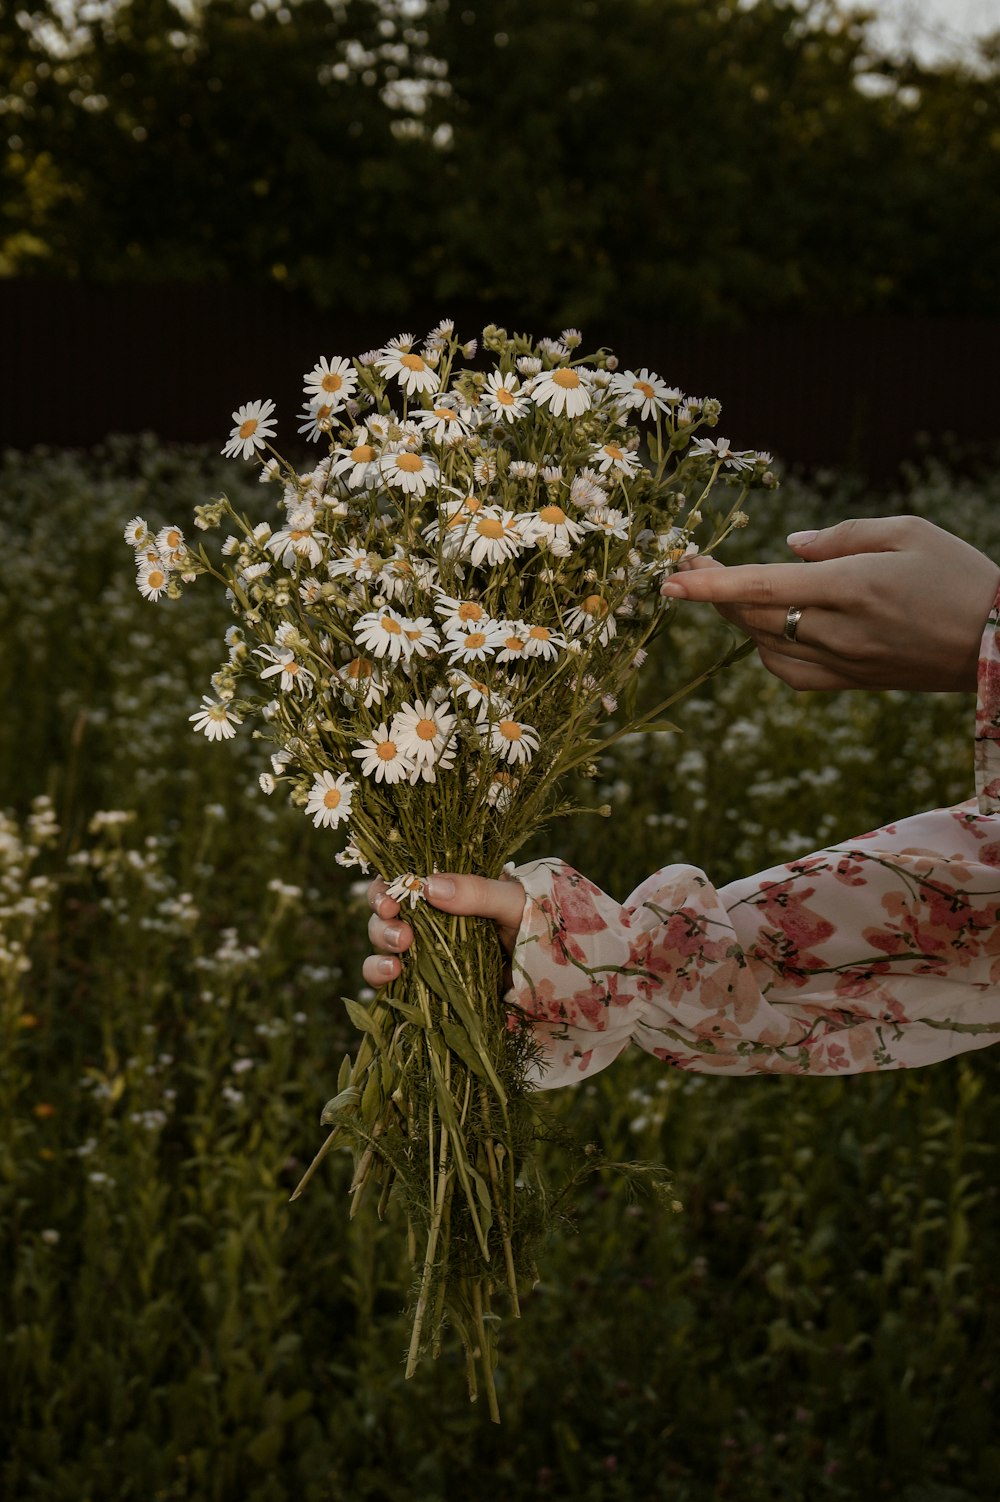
(330, 383)
(408, 887)
(644, 391)
(411, 370)
(500, 793)
(452, 515)
(296, 540)
(383, 632)
(351, 856)
(541, 642)
(330, 800)
(476, 644)
(522, 469)
(479, 696)
(460, 615)
(423, 732)
(515, 641)
(502, 398)
(362, 681)
(215, 720)
(491, 536)
(592, 616)
(444, 424)
(382, 758)
(610, 457)
(552, 527)
(720, 450)
(252, 427)
(607, 520)
(295, 677)
(359, 465)
(152, 578)
(562, 391)
(316, 420)
(514, 741)
(357, 563)
(137, 534)
(421, 636)
(411, 472)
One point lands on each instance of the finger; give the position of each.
(379, 969)
(799, 584)
(873, 534)
(479, 896)
(696, 561)
(804, 676)
(389, 937)
(379, 902)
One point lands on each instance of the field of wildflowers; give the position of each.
(821, 1317)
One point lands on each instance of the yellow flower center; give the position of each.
(613, 451)
(514, 643)
(410, 464)
(386, 751)
(510, 730)
(504, 396)
(173, 539)
(476, 639)
(156, 578)
(358, 667)
(332, 382)
(567, 379)
(248, 428)
(412, 362)
(393, 628)
(445, 414)
(363, 454)
(552, 516)
(470, 611)
(645, 388)
(489, 527)
(297, 534)
(594, 605)
(426, 730)
(414, 635)
(332, 797)
(539, 633)
(290, 667)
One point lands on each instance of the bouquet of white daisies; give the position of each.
(434, 631)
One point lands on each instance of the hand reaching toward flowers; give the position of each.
(880, 953)
(891, 602)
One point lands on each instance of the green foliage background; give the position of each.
(819, 1320)
(555, 158)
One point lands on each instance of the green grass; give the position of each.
(820, 1320)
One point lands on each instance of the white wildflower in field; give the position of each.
(383, 633)
(423, 731)
(552, 528)
(358, 464)
(329, 802)
(492, 536)
(721, 450)
(137, 533)
(215, 720)
(611, 456)
(253, 427)
(409, 887)
(473, 643)
(411, 472)
(502, 396)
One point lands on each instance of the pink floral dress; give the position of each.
(881, 953)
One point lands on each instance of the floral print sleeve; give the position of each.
(881, 953)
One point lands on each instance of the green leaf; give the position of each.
(364, 1020)
(348, 1100)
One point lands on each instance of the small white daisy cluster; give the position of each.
(458, 592)
(26, 894)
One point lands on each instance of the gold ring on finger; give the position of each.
(792, 619)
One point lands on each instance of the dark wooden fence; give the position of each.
(79, 362)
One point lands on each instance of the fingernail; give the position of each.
(386, 967)
(438, 887)
(393, 934)
(800, 539)
(672, 587)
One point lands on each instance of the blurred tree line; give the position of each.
(651, 158)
